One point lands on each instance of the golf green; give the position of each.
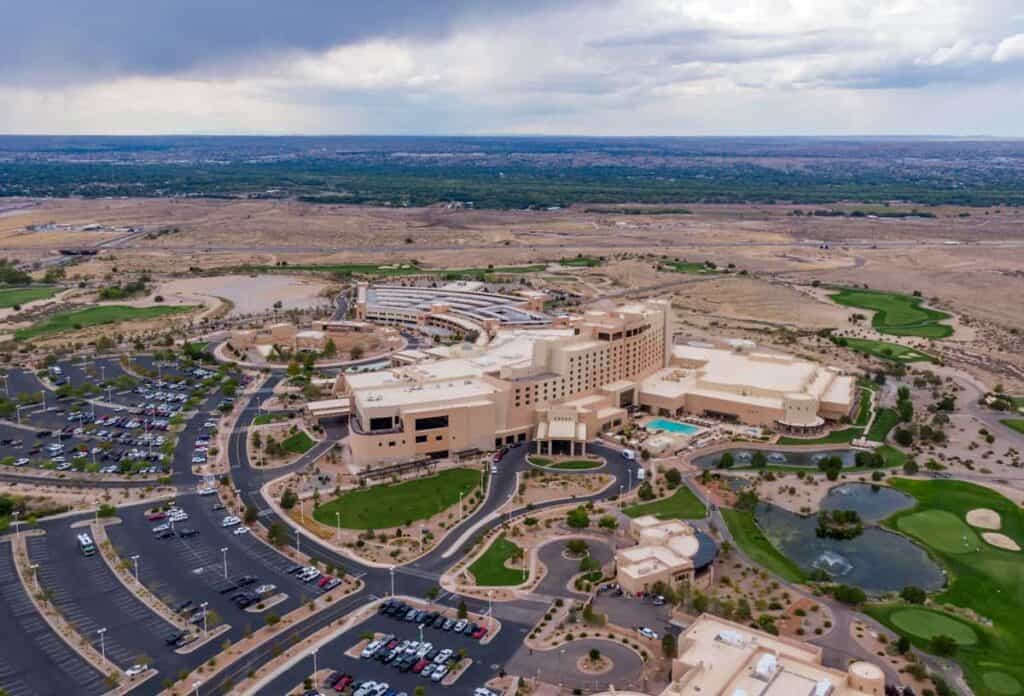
(941, 530)
(928, 624)
(1001, 683)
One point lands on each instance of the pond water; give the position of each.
(809, 459)
(872, 503)
(876, 561)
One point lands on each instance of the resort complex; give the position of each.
(561, 385)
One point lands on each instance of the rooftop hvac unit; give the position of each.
(733, 638)
(822, 688)
(766, 667)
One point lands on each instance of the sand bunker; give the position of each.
(983, 518)
(1000, 541)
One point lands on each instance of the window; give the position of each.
(421, 438)
(385, 423)
(431, 422)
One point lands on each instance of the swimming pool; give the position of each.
(672, 426)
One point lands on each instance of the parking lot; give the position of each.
(86, 592)
(185, 566)
(120, 428)
(35, 660)
(397, 662)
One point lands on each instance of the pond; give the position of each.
(742, 457)
(872, 503)
(876, 561)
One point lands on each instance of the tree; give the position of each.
(913, 595)
(578, 518)
(942, 645)
(904, 437)
(668, 645)
(848, 594)
(726, 461)
(594, 655)
(278, 534)
(330, 348)
(576, 547)
(646, 492)
(903, 645)
(758, 461)
(673, 478)
(463, 610)
(419, 691)
(289, 499)
(251, 514)
(356, 352)
(608, 522)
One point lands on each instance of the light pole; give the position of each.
(421, 634)
(298, 542)
(392, 571)
(337, 534)
(460, 505)
(19, 407)
(490, 609)
(135, 560)
(35, 574)
(203, 607)
(195, 685)
(17, 524)
(103, 643)
(622, 501)
(224, 553)
(314, 667)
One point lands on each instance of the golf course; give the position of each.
(985, 582)
(886, 350)
(15, 297)
(896, 314)
(73, 320)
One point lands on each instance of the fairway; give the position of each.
(941, 530)
(895, 314)
(690, 267)
(928, 624)
(885, 420)
(96, 316)
(887, 351)
(19, 296)
(490, 571)
(682, 505)
(1002, 683)
(382, 507)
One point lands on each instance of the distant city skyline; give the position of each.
(541, 67)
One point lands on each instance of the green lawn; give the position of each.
(382, 507)
(298, 443)
(10, 297)
(887, 351)
(582, 262)
(95, 316)
(836, 437)
(885, 420)
(682, 505)
(755, 545)
(896, 314)
(864, 407)
(392, 270)
(982, 578)
(689, 267)
(264, 418)
(490, 571)
(927, 624)
(1015, 423)
(571, 464)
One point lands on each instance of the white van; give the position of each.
(629, 455)
(640, 474)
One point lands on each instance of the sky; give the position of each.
(574, 67)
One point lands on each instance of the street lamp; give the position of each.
(103, 643)
(17, 523)
(337, 517)
(314, 666)
(203, 607)
(195, 685)
(135, 560)
(224, 553)
(298, 542)
(392, 571)
(35, 574)
(460, 505)
(490, 609)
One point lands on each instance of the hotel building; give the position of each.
(562, 384)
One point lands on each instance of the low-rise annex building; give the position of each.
(563, 384)
(667, 551)
(721, 658)
(289, 336)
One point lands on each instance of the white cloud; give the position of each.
(1011, 48)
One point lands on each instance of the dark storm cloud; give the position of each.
(61, 40)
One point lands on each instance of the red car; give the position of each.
(324, 580)
(156, 516)
(420, 664)
(479, 633)
(343, 683)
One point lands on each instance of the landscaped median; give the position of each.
(492, 568)
(566, 463)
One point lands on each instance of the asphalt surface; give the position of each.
(34, 660)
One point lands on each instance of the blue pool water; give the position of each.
(672, 426)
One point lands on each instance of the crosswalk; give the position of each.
(38, 662)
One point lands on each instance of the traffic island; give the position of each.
(203, 639)
(267, 603)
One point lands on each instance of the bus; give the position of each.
(85, 545)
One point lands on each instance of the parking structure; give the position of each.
(34, 659)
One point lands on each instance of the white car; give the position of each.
(240, 531)
(366, 689)
(424, 649)
(207, 491)
(230, 521)
(443, 656)
(647, 633)
(161, 528)
(370, 649)
(311, 575)
(439, 673)
(21, 461)
(135, 670)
